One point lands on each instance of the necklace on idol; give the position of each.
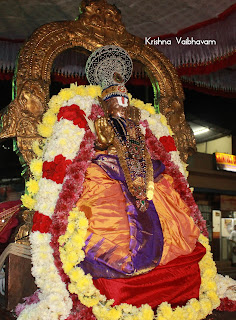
(134, 159)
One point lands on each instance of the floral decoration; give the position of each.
(73, 113)
(54, 300)
(60, 230)
(168, 143)
(41, 222)
(226, 289)
(71, 244)
(55, 170)
(227, 305)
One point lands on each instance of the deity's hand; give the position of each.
(105, 133)
(133, 113)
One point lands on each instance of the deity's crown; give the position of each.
(110, 67)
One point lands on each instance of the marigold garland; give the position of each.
(32, 186)
(37, 148)
(82, 284)
(66, 230)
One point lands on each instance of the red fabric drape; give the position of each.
(11, 208)
(176, 282)
(209, 91)
(6, 75)
(207, 67)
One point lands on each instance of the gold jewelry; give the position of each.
(136, 164)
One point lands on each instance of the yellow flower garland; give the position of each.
(49, 118)
(28, 201)
(45, 130)
(32, 186)
(72, 241)
(81, 284)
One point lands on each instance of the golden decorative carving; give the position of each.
(99, 24)
(23, 116)
(26, 223)
(183, 135)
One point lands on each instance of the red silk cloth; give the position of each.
(8, 218)
(176, 282)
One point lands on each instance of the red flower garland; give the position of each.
(227, 305)
(73, 113)
(158, 152)
(41, 222)
(168, 143)
(80, 311)
(69, 195)
(96, 112)
(73, 186)
(56, 170)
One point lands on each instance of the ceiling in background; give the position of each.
(205, 68)
(18, 19)
(204, 131)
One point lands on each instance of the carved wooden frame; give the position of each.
(99, 24)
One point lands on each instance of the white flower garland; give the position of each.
(55, 302)
(224, 287)
(158, 125)
(82, 284)
(54, 298)
(47, 196)
(62, 130)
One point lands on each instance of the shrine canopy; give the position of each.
(197, 36)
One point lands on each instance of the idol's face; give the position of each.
(117, 106)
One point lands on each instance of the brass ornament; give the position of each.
(183, 134)
(25, 227)
(99, 24)
(23, 116)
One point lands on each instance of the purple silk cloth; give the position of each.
(146, 238)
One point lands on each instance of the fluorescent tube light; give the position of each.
(200, 131)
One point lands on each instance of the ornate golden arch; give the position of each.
(99, 24)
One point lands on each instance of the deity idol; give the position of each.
(137, 221)
(113, 223)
